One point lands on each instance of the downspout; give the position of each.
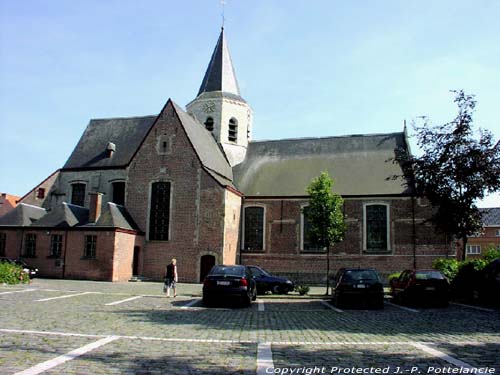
(240, 229)
(65, 251)
(414, 232)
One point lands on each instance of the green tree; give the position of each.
(458, 167)
(326, 217)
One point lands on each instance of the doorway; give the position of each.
(206, 264)
(135, 262)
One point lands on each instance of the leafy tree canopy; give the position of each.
(325, 212)
(458, 167)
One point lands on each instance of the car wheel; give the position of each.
(254, 294)
(247, 301)
(338, 301)
(206, 302)
(378, 304)
(277, 289)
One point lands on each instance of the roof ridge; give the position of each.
(326, 137)
(121, 118)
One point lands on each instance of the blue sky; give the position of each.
(307, 68)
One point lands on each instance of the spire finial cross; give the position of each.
(223, 3)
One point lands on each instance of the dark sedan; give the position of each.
(358, 286)
(421, 287)
(269, 283)
(228, 283)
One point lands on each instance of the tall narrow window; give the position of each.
(90, 247)
(78, 194)
(233, 130)
(209, 124)
(3, 241)
(308, 244)
(118, 194)
(56, 245)
(30, 245)
(159, 213)
(376, 228)
(254, 228)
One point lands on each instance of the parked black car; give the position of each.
(487, 288)
(358, 286)
(269, 283)
(31, 271)
(428, 287)
(227, 283)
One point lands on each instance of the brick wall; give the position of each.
(284, 252)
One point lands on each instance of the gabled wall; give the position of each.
(197, 201)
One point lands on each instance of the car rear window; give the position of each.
(228, 270)
(426, 275)
(354, 275)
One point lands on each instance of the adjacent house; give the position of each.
(193, 184)
(490, 235)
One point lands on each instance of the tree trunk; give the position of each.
(327, 270)
(464, 244)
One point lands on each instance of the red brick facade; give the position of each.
(197, 203)
(411, 239)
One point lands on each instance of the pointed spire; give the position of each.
(220, 74)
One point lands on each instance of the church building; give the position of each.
(192, 184)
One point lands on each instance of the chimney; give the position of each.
(95, 206)
(110, 149)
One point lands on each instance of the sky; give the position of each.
(308, 68)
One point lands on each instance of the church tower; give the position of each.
(219, 106)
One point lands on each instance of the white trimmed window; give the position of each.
(307, 244)
(473, 249)
(376, 227)
(253, 228)
(497, 233)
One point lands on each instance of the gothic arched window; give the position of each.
(159, 211)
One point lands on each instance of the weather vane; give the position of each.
(223, 3)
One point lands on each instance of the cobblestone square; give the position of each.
(83, 327)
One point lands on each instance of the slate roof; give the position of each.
(360, 165)
(205, 146)
(491, 216)
(65, 215)
(68, 215)
(220, 75)
(23, 215)
(126, 133)
(115, 216)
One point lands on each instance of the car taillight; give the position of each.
(207, 282)
(243, 282)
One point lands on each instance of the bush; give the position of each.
(12, 274)
(302, 289)
(448, 267)
(394, 275)
(491, 254)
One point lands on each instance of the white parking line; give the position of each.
(42, 367)
(188, 305)
(473, 307)
(123, 301)
(331, 307)
(402, 307)
(443, 356)
(66, 296)
(18, 291)
(261, 305)
(265, 364)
